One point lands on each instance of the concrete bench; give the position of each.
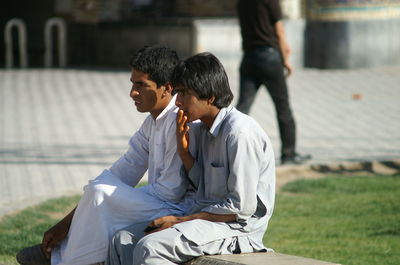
(267, 258)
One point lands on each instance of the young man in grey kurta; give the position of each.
(233, 172)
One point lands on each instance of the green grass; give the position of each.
(348, 220)
(27, 227)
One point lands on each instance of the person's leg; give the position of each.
(123, 243)
(271, 70)
(170, 246)
(275, 81)
(165, 247)
(106, 206)
(131, 246)
(287, 128)
(248, 85)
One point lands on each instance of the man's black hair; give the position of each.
(157, 61)
(204, 74)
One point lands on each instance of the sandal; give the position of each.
(32, 256)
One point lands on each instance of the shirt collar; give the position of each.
(170, 106)
(216, 126)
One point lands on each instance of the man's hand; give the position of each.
(182, 136)
(53, 237)
(182, 140)
(163, 223)
(56, 234)
(168, 221)
(289, 68)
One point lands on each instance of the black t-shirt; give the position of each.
(257, 19)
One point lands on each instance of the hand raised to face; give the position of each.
(182, 136)
(182, 140)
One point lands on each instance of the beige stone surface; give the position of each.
(269, 258)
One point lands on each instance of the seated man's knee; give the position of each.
(158, 248)
(148, 247)
(122, 241)
(121, 248)
(94, 192)
(93, 187)
(98, 189)
(145, 243)
(124, 237)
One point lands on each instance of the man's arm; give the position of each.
(168, 221)
(283, 46)
(131, 167)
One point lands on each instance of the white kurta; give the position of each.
(110, 202)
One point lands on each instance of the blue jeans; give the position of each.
(263, 66)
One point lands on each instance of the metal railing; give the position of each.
(21, 28)
(48, 42)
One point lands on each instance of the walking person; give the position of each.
(265, 60)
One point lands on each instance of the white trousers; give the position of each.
(106, 206)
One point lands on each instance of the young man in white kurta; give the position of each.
(233, 171)
(110, 202)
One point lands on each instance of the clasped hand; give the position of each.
(163, 223)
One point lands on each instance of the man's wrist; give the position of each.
(187, 161)
(184, 154)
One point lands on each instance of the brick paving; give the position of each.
(60, 128)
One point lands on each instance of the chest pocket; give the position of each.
(216, 182)
(158, 150)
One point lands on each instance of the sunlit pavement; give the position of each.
(60, 128)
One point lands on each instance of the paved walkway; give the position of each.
(59, 128)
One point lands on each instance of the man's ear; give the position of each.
(168, 87)
(211, 100)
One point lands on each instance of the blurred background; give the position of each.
(326, 34)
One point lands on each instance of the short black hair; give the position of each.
(157, 61)
(204, 74)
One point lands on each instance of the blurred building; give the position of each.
(322, 33)
(351, 33)
(106, 32)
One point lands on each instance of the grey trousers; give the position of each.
(130, 246)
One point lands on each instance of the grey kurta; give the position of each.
(234, 174)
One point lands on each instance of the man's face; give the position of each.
(145, 93)
(188, 101)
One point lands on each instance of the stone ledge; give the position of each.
(267, 258)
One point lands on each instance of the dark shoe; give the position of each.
(32, 256)
(295, 160)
